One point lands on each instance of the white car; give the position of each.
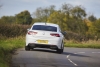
(45, 35)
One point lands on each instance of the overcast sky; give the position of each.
(12, 7)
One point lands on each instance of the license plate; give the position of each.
(42, 41)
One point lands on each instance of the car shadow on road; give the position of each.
(64, 53)
(45, 50)
(74, 54)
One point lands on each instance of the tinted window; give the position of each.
(43, 27)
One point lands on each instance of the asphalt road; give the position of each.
(72, 57)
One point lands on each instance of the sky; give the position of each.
(13, 7)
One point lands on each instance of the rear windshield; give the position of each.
(45, 28)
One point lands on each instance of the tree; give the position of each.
(43, 13)
(97, 28)
(78, 12)
(93, 30)
(92, 18)
(23, 17)
(59, 18)
(66, 8)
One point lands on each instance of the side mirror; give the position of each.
(64, 33)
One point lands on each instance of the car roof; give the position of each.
(45, 23)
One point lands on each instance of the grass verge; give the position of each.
(85, 44)
(8, 45)
(6, 48)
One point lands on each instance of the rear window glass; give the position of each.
(45, 28)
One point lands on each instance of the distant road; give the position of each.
(72, 57)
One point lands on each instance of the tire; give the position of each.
(27, 48)
(61, 50)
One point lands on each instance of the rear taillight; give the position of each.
(31, 33)
(55, 34)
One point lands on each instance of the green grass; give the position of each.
(8, 45)
(6, 48)
(87, 44)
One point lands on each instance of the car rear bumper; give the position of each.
(34, 45)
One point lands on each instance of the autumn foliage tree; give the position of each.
(70, 18)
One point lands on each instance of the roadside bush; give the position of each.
(13, 30)
(75, 36)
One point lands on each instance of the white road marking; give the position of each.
(71, 60)
(95, 52)
(76, 53)
(81, 52)
(68, 56)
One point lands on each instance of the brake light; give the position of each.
(32, 32)
(55, 34)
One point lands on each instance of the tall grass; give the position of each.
(83, 44)
(6, 48)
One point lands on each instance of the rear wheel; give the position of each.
(27, 48)
(59, 51)
(62, 49)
